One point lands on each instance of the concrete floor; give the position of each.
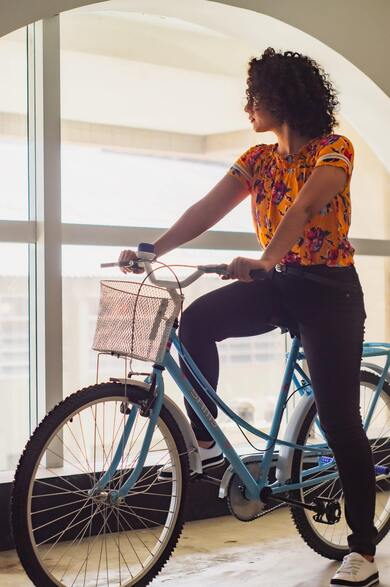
(225, 551)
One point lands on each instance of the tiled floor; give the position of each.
(225, 551)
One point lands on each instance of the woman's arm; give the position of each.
(324, 184)
(202, 215)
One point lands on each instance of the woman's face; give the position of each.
(262, 120)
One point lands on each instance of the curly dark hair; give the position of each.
(294, 89)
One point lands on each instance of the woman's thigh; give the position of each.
(237, 309)
(331, 326)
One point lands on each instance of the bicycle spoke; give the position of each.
(64, 492)
(139, 517)
(74, 487)
(129, 541)
(56, 507)
(62, 532)
(77, 442)
(132, 529)
(78, 538)
(89, 549)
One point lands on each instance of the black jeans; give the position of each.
(330, 322)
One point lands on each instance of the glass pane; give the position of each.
(147, 132)
(251, 368)
(102, 187)
(13, 126)
(14, 353)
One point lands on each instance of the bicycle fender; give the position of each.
(286, 453)
(376, 368)
(180, 419)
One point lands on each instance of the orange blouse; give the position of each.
(274, 182)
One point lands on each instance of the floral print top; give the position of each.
(274, 182)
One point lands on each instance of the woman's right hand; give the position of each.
(125, 257)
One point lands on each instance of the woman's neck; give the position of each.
(290, 142)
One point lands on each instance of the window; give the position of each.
(14, 325)
(13, 127)
(106, 187)
(14, 353)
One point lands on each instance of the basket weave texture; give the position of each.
(134, 320)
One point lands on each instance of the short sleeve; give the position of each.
(337, 151)
(243, 169)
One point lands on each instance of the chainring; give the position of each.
(240, 507)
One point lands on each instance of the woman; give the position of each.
(301, 210)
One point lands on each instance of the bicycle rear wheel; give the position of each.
(67, 537)
(331, 541)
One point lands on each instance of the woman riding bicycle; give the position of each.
(300, 193)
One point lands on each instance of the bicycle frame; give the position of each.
(293, 372)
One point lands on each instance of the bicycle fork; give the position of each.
(153, 412)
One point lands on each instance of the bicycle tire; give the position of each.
(303, 518)
(65, 411)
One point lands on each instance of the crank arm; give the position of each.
(266, 496)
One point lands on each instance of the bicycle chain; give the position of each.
(270, 510)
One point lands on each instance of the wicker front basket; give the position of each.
(135, 320)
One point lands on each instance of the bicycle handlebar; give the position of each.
(221, 269)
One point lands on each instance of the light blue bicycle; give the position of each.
(90, 507)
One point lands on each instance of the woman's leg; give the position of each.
(238, 309)
(332, 331)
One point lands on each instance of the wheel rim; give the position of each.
(336, 535)
(81, 540)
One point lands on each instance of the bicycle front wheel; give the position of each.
(68, 536)
(330, 541)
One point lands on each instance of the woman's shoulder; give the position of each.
(258, 150)
(255, 154)
(334, 141)
(336, 150)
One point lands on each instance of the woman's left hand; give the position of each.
(240, 268)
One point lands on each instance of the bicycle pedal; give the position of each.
(328, 511)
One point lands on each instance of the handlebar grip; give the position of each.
(106, 265)
(258, 274)
(220, 269)
(120, 264)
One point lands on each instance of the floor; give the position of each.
(225, 551)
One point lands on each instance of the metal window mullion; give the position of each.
(32, 314)
(45, 210)
(17, 231)
(102, 235)
(23, 231)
